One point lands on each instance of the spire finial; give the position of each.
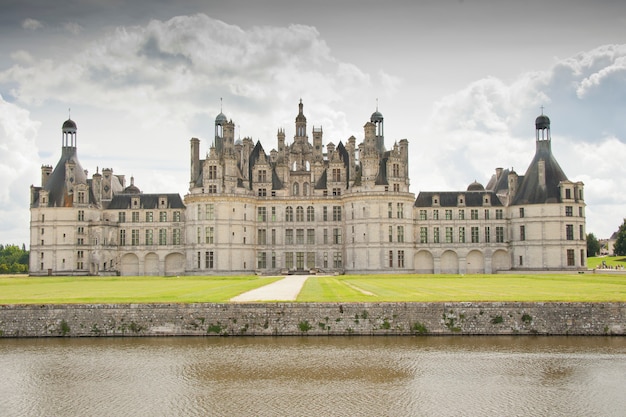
(221, 104)
(542, 109)
(69, 113)
(376, 103)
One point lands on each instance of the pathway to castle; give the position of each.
(286, 289)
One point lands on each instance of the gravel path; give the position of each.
(286, 289)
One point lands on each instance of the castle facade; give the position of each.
(306, 206)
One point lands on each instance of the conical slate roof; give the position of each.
(531, 190)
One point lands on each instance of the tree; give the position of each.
(619, 248)
(593, 246)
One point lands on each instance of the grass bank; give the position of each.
(345, 288)
(111, 290)
(442, 288)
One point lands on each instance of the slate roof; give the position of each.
(450, 198)
(146, 201)
(56, 185)
(530, 191)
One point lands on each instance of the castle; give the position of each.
(304, 207)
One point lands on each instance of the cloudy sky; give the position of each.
(462, 80)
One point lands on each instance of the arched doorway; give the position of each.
(500, 261)
(449, 262)
(129, 264)
(424, 262)
(174, 264)
(151, 264)
(475, 263)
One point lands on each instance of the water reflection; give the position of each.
(337, 376)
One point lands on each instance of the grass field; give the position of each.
(432, 288)
(345, 288)
(110, 290)
(596, 261)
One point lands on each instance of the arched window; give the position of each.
(305, 188)
(289, 214)
(299, 214)
(307, 165)
(296, 188)
(310, 214)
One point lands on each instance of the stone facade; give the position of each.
(304, 206)
(315, 319)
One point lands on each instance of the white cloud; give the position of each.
(32, 24)
(491, 124)
(73, 28)
(18, 167)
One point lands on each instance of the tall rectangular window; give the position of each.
(487, 234)
(423, 235)
(461, 214)
(198, 234)
(499, 234)
(122, 237)
(337, 213)
(134, 237)
(400, 259)
(448, 214)
(162, 236)
(337, 260)
(390, 210)
(325, 236)
(486, 214)
(149, 216)
(176, 237)
(422, 214)
(209, 235)
(121, 216)
(570, 257)
(261, 214)
(569, 211)
(522, 233)
(310, 236)
(273, 236)
(262, 236)
(135, 216)
(435, 214)
(448, 235)
(569, 231)
(390, 233)
(299, 236)
(337, 236)
(212, 172)
(474, 231)
(289, 260)
(209, 211)
(581, 231)
(400, 210)
(149, 237)
(435, 235)
(162, 216)
(176, 216)
(288, 236)
(499, 214)
(390, 259)
(209, 260)
(474, 214)
(461, 234)
(262, 260)
(400, 234)
(521, 212)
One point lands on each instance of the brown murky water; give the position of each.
(320, 376)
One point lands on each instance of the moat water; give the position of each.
(319, 376)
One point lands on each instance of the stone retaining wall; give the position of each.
(206, 319)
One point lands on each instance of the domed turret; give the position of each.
(132, 188)
(376, 117)
(542, 122)
(69, 124)
(475, 186)
(221, 119)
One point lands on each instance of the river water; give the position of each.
(314, 376)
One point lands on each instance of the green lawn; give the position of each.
(345, 288)
(613, 261)
(432, 288)
(187, 289)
